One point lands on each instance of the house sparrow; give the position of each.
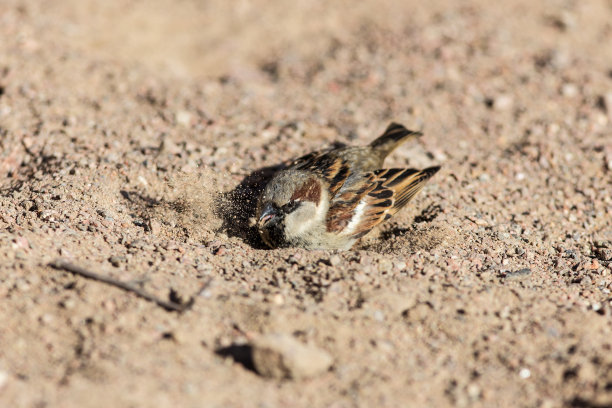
(330, 199)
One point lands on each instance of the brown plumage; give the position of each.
(331, 198)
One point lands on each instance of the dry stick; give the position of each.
(171, 306)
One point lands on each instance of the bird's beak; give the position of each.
(269, 213)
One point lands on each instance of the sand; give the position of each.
(134, 137)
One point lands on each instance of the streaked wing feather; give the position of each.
(384, 192)
(344, 205)
(327, 165)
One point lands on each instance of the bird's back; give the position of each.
(361, 159)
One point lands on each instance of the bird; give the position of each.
(330, 199)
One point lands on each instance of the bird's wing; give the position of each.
(368, 199)
(326, 164)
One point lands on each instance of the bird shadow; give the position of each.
(429, 213)
(237, 207)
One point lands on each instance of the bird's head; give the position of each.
(290, 205)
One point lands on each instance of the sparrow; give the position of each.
(330, 199)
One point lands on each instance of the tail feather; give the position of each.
(416, 184)
(394, 135)
(405, 183)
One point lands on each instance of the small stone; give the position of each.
(474, 392)
(525, 373)
(46, 319)
(604, 254)
(295, 259)
(378, 315)
(564, 21)
(281, 356)
(335, 260)
(502, 102)
(605, 101)
(504, 236)
(559, 59)
(518, 273)
(593, 265)
(22, 243)
(22, 285)
(116, 260)
(3, 379)
(154, 227)
(169, 147)
(569, 90)
(385, 265)
(180, 337)
(68, 303)
(183, 118)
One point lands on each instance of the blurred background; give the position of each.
(207, 38)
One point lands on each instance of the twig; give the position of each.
(78, 270)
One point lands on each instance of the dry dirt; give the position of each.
(130, 132)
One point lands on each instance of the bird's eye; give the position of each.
(291, 206)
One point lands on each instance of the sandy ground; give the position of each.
(129, 134)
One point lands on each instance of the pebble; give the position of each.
(154, 227)
(525, 373)
(606, 103)
(183, 118)
(385, 265)
(282, 356)
(559, 59)
(564, 21)
(335, 260)
(569, 90)
(518, 273)
(378, 315)
(22, 285)
(503, 102)
(593, 265)
(68, 303)
(116, 260)
(604, 254)
(278, 299)
(46, 319)
(3, 379)
(474, 392)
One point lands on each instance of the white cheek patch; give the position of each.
(359, 210)
(307, 218)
